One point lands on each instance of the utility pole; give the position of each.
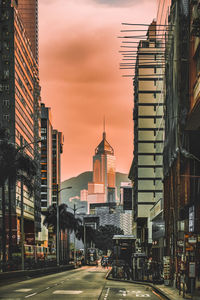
(84, 240)
(22, 211)
(74, 209)
(57, 228)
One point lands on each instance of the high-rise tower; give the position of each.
(20, 105)
(28, 10)
(102, 188)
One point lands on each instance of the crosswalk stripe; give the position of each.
(67, 292)
(23, 290)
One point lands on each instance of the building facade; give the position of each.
(28, 10)
(57, 150)
(146, 170)
(20, 110)
(46, 157)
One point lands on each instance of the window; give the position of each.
(6, 102)
(43, 130)
(6, 74)
(6, 117)
(44, 204)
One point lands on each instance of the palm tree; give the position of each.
(66, 218)
(90, 234)
(15, 166)
(2, 185)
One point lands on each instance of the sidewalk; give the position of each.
(169, 292)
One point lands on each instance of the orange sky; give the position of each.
(80, 77)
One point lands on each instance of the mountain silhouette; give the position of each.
(80, 182)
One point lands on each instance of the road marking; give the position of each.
(106, 295)
(48, 288)
(23, 290)
(30, 295)
(123, 292)
(142, 295)
(67, 292)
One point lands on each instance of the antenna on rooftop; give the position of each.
(104, 127)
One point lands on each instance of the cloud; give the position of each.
(121, 3)
(88, 59)
(80, 76)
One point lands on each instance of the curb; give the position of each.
(34, 273)
(139, 282)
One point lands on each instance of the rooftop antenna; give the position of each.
(104, 128)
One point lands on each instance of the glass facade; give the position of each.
(20, 103)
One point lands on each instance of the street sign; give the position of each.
(192, 269)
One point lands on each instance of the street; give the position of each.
(83, 283)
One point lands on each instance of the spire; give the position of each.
(104, 128)
(104, 147)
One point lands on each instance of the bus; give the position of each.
(92, 257)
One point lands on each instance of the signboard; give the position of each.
(180, 243)
(192, 240)
(191, 218)
(166, 269)
(192, 269)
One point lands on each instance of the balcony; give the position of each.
(193, 122)
(196, 90)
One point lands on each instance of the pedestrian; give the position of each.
(126, 270)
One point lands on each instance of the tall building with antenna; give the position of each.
(102, 187)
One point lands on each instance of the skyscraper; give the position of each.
(148, 133)
(57, 150)
(46, 157)
(20, 106)
(102, 188)
(28, 10)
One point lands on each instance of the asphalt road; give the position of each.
(87, 283)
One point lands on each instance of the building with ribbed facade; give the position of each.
(57, 150)
(28, 10)
(146, 170)
(112, 214)
(20, 109)
(46, 157)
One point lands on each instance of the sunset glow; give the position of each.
(80, 77)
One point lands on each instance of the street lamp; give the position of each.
(58, 223)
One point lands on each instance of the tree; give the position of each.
(104, 235)
(15, 166)
(90, 234)
(66, 218)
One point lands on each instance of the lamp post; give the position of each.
(58, 224)
(84, 232)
